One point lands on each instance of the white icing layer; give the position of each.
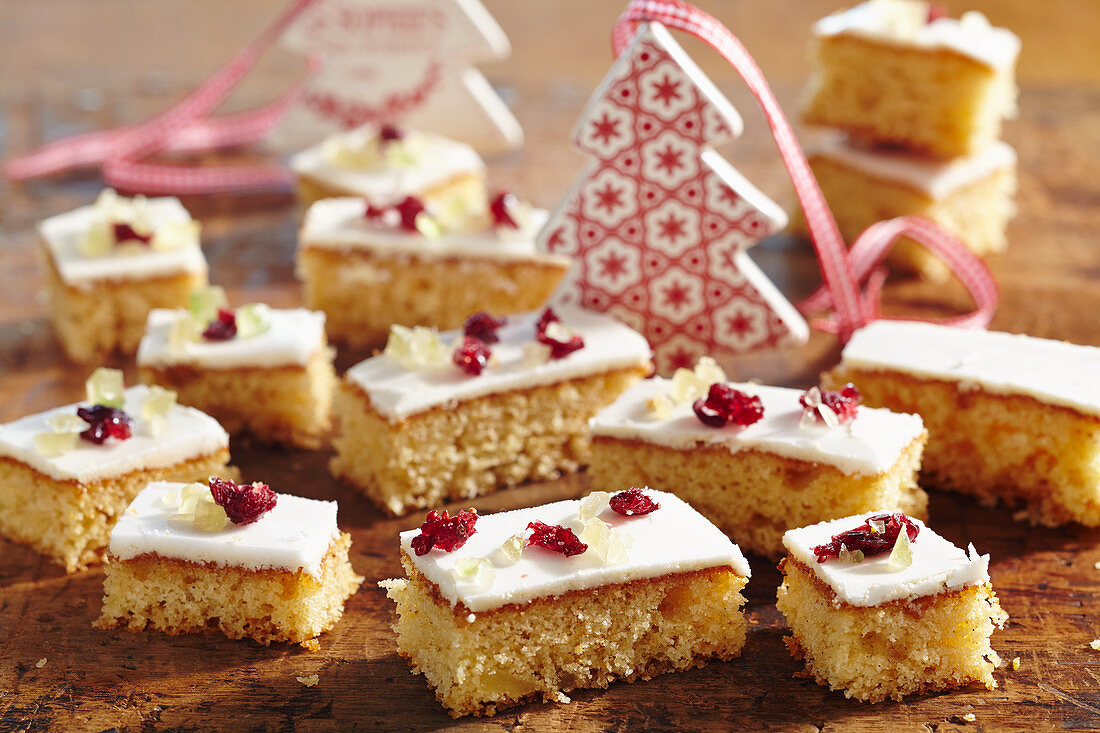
(673, 539)
(293, 338)
(439, 160)
(868, 445)
(63, 233)
(937, 178)
(903, 23)
(340, 224)
(294, 536)
(397, 392)
(1054, 372)
(938, 565)
(187, 434)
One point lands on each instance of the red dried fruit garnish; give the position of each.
(104, 422)
(243, 503)
(503, 207)
(444, 531)
(125, 233)
(935, 12)
(483, 326)
(561, 346)
(409, 209)
(843, 402)
(724, 404)
(555, 538)
(865, 539)
(222, 328)
(374, 212)
(472, 356)
(633, 503)
(389, 132)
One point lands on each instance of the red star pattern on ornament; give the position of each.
(659, 190)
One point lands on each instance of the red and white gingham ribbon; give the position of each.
(183, 127)
(841, 271)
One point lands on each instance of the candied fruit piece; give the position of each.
(476, 570)
(935, 12)
(549, 330)
(252, 320)
(410, 210)
(54, 444)
(483, 326)
(125, 232)
(510, 552)
(472, 356)
(244, 503)
(206, 302)
(105, 422)
(105, 387)
(389, 132)
(445, 532)
(633, 503)
(724, 404)
(555, 538)
(223, 328)
(830, 407)
(874, 537)
(592, 505)
(504, 208)
(535, 354)
(209, 516)
(417, 347)
(175, 234)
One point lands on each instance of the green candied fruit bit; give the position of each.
(98, 242)
(185, 329)
(105, 387)
(429, 226)
(901, 556)
(252, 320)
(205, 303)
(54, 444)
(158, 403)
(67, 422)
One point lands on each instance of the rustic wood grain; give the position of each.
(135, 58)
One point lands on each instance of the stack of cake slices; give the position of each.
(916, 100)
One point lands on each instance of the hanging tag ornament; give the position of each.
(660, 223)
(407, 61)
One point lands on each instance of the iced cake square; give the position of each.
(218, 556)
(260, 370)
(438, 417)
(901, 73)
(367, 272)
(880, 606)
(530, 604)
(67, 474)
(109, 264)
(1011, 418)
(777, 465)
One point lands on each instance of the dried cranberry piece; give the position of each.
(843, 402)
(935, 12)
(560, 347)
(724, 404)
(483, 326)
(555, 538)
(125, 233)
(374, 212)
(409, 209)
(502, 207)
(867, 540)
(442, 530)
(389, 132)
(243, 503)
(104, 422)
(223, 328)
(633, 503)
(472, 356)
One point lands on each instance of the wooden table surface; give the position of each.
(67, 66)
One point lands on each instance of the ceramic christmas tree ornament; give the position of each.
(660, 222)
(408, 61)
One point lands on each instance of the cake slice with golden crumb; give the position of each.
(880, 606)
(530, 604)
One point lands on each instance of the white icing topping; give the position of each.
(187, 434)
(673, 539)
(937, 566)
(868, 445)
(903, 23)
(294, 536)
(339, 223)
(398, 392)
(63, 233)
(439, 160)
(1054, 372)
(937, 178)
(293, 337)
